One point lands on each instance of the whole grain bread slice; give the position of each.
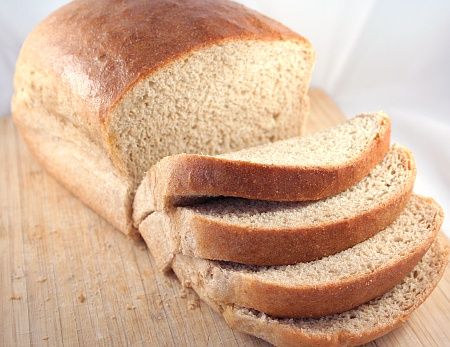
(330, 285)
(244, 231)
(298, 169)
(357, 326)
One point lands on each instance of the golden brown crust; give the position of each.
(181, 177)
(285, 335)
(102, 48)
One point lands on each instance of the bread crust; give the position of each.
(132, 40)
(175, 180)
(286, 336)
(242, 289)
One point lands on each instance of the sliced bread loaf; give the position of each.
(244, 231)
(298, 169)
(351, 328)
(330, 285)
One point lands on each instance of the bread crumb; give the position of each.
(159, 317)
(81, 298)
(47, 299)
(114, 317)
(15, 297)
(45, 338)
(160, 300)
(193, 303)
(131, 307)
(17, 277)
(41, 279)
(183, 293)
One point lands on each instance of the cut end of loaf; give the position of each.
(215, 100)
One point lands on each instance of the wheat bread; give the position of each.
(297, 169)
(245, 231)
(136, 81)
(329, 285)
(357, 326)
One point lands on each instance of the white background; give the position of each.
(371, 55)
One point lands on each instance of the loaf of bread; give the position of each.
(297, 169)
(105, 88)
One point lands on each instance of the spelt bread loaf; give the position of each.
(297, 169)
(277, 233)
(351, 328)
(330, 285)
(135, 81)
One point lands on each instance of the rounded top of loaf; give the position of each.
(100, 49)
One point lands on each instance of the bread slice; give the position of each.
(351, 328)
(148, 79)
(244, 231)
(298, 169)
(330, 285)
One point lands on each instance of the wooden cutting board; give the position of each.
(68, 278)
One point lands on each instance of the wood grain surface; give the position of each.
(67, 278)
